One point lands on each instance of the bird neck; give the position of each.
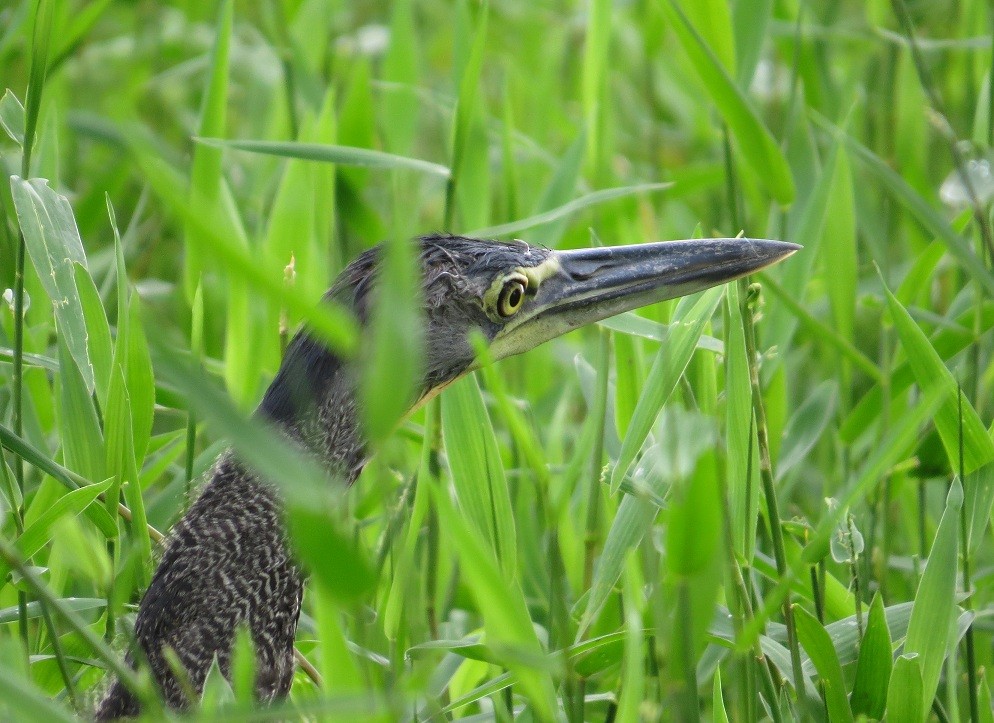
(314, 399)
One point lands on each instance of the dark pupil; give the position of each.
(514, 298)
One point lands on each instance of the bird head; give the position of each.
(519, 296)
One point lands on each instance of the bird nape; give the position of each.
(227, 562)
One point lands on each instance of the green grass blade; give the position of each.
(508, 625)
(979, 496)
(206, 176)
(339, 155)
(712, 19)
(594, 79)
(98, 332)
(396, 353)
(873, 669)
(79, 604)
(41, 37)
(82, 438)
(33, 456)
(24, 701)
(468, 189)
(754, 140)
(328, 321)
(400, 66)
(672, 359)
(930, 371)
(477, 470)
(839, 245)
(818, 646)
(931, 219)
(935, 602)
(53, 243)
(743, 459)
(904, 697)
(567, 209)
(12, 116)
(39, 533)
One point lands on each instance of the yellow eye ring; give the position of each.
(512, 296)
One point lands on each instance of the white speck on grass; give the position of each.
(954, 191)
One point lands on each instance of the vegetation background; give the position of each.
(760, 502)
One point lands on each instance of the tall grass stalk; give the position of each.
(749, 301)
(37, 71)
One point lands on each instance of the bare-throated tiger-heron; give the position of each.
(228, 563)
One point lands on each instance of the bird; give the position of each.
(228, 561)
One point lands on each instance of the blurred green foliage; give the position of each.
(614, 524)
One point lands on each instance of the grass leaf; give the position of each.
(673, 357)
(755, 142)
(935, 603)
(930, 371)
(53, 243)
(327, 153)
(818, 645)
(477, 470)
(873, 669)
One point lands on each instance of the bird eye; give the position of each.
(512, 296)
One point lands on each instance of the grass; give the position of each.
(768, 501)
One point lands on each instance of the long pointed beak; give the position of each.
(586, 285)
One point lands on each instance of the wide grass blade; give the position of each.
(930, 371)
(468, 189)
(477, 470)
(82, 437)
(873, 669)
(40, 532)
(934, 610)
(743, 460)
(53, 243)
(818, 646)
(904, 698)
(12, 116)
(672, 359)
(594, 78)
(500, 600)
(395, 359)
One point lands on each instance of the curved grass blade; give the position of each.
(79, 604)
(328, 153)
(97, 515)
(568, 209)
(755, 142)
(39, 532)
(53, 243)
(930, 371)
(672, 359)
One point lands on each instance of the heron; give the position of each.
(228, 561)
